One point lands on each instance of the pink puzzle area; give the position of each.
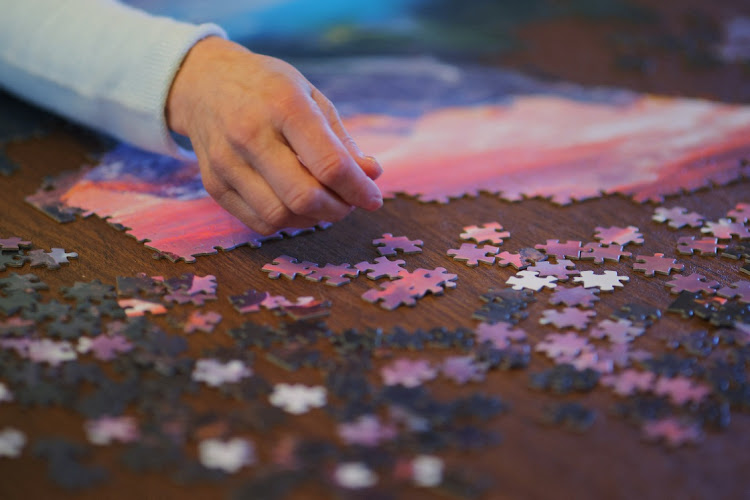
(541, 145)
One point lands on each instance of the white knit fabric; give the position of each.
(97, 62)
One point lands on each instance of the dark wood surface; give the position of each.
(610, 460)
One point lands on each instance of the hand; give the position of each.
(272, 149)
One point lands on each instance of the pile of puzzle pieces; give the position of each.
(374, 389)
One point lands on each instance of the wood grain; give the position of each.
(533, 462)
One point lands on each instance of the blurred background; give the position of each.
(676, 47)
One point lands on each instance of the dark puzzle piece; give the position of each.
(292, 358)
(52, 259)
(43, 393)
(565, 379)
(737, 250)
(22, 283)
(64, 466)
(16, 301)
(401, 338)
(699, 343)
(11, 259)
(495, 312)
(686, 304)
(509, 358)
(250, 334)
(93, 291)
(78, 325)
(151, 455)
(48, 310)
(637, 409)
(571, 416)
(140, 284)
(671, 365)
(274, 485)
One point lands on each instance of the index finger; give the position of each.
(321, 151)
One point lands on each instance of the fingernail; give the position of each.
(375, 202)
(378, 168)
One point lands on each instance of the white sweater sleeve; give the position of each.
(97, 62)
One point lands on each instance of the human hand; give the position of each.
(272, 149)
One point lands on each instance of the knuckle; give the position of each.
(218, 160)
(288, 106)
(262, 228)
(304, 201)
(217, 190)
(330, 168)
(276, 215)
(328, 109)
(244, 131)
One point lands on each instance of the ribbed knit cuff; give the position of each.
(159, 70)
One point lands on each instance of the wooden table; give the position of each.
(610, 460)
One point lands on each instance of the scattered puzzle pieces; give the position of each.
(672, 431)
(382, 268)
(204, 322)
(739, 289)
(499, 334)
(599, 253)
(562, 250)
(390, 245)
(570, 317)
(463, 369)
(692, 283)
(621, 331)
(678, 217)
(556, 345)
(52, 259)
(740, 213)
(521, 260)
(686, 245)
(298, 398)
(657, 263)
(628, 382)
(288, 267)
(561, 270)
(472, 255)
(491, 232)
(410, 286)
(618, 235)
(13, 243)
(576, 296)
(408, 372)
(333, 275)
(724, 229)
(605, 282)
(530, 280)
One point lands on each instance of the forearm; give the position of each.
(97, 62)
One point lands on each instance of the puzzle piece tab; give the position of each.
(390, 245)
(288, 267)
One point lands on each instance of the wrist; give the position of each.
(180, 100)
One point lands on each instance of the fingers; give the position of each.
(368, 164)
(252, 201)
(292, 183)
(321, 151)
